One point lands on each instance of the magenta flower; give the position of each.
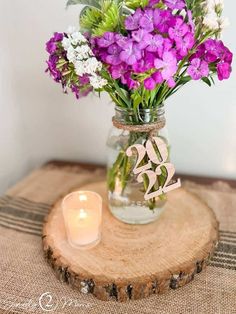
(211, 50)
(106, 40)
(149, 83)
(146, 21)
(157, 77)
(178, 30)
(142, 37)
(198, 68)
(155, 44)
(223, 70)
(190, 21)
(163, 20)
(175, 4)
(185, 44)
(140, 66)
(144, 64)
(51, 45)
(167, 65)
(153, 2)
(132, 21)
(131, 53)
(84, 79)
(121, 40)
(117, 71)
(113, 56)
(52, 68)
(171, 82)
(127, 79)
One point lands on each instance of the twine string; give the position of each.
(150, 128)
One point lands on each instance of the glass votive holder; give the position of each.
(82, 211)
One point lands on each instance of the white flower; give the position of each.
(97, 81)
(211, 21)
(66, 43)
(214, 5)
(223, 22)
(92, 65)
(77, 38)
(71, 55)
(79, 68)
(83, 52)
(80, 54)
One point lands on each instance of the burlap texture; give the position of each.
(28, 284)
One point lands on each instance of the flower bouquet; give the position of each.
(140, 52)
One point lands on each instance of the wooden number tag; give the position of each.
(157, 155)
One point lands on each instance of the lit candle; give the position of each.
(82, 211)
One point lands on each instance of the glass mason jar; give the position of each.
(126, 194)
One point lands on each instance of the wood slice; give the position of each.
(133, 261)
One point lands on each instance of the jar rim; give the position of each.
(160, 109)
(140, 116)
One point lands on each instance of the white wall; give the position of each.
(39, 123)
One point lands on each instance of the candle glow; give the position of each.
(82, 215)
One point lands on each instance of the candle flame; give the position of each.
(82, 214)
(83, 197)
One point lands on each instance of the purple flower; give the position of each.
(167, 65)
(149, 83)
(52, 68)
(113, 56)
(214, 51)
(163, 20)
(51, 45)
(199, 53)
(121, 40)
(146, 21)
(185, 44)
(171, 82)
(175, 4)
(190, 21)
(84, 79)
(132, 21)
(153, 2)
(75, 90)
(106, 40)
(142, 37)
(157, 77)
(223, 70)
(117, 71)
(155, 44)
(198, 68)
(127, 79)
(140, 66)
(58, 37)
(131, 53)
(86, 91)
(144, 64)
(211, 50)
(179, 30)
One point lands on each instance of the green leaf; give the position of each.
(123, 94)
(137, 99)
(89, 18)
(134, 4)
(212, 80)
(207, 81)
(90, 3)
(110, 18)
(185, 79)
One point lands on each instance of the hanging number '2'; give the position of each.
(158, 157)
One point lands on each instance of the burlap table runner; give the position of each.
(28, 284)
